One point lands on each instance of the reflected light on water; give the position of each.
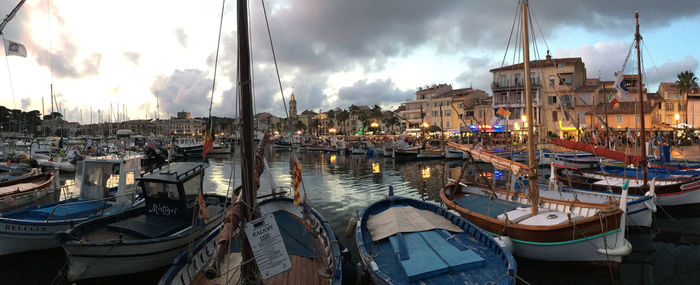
(375, 168)
(425, 172)
(332, 159)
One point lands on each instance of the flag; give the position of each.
(296, 180)
(269, 175)
(612, 99)
(203, 211)
(14, 48)
(619, 84)
(208, 143)
(595, 136)
(503, 112)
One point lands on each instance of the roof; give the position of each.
(456, 93)
(654, 96)
(623, 108)
(174, 172)
(587, 88)
(541, 63)
(668, 86)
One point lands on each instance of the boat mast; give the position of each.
(643, 134)
(11, 15)
(533, 192)
(247, 159)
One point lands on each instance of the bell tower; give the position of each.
(292, 107)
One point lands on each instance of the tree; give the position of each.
(687, 83)
(299, 126)
(342, 116)
(376, 111)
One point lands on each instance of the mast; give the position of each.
(11, 15)
(643, 135)
(247, 159)
(533, 192)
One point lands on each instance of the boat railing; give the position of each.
(90, 201)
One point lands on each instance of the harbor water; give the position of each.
(341, 186)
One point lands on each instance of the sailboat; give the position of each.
(301, 247)
(670, 191)
(539, 228)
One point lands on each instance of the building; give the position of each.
(624, 115)
(184, 115)
(292, 108)
(670, 109)
(552, 81)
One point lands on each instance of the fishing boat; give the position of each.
(406, 151)
(292, 226)
(61, 163)
(435, 247)
(176, 215)
(539, 228)
(32, 189)
(106, 186)
(189, 147)
(282, 144)
(358, 148)
(453, 153)
(430, 153)
(308, 238)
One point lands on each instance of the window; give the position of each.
(460, 106)
(555, 116)
(586, 98)
(192, 187)
(517, 79)
(448, 113)
(674, 96)
(447, 124)
(551, 81)
(669, 106)
(481, 113)
(162, 191)
(566, 81)
(561, 65)
(502, 80)
(680, 107)
(533, 78)
(552, 99)
(618, 118)
(435, 113)
(566, 100)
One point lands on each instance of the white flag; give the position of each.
(14, 48)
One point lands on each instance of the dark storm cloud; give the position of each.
(133, 57)
(184, 90)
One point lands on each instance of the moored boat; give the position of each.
(436, 247)
(149, 237)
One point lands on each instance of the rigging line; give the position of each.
(652, 59)
(50, 51)
(538, 27)
(216, 64)
(274, 58)
(512, 28)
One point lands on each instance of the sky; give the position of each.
(330, 53)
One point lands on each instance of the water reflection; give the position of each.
(340, 186)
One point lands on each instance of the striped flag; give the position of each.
(296, 180)
(612, 99)
(503, 112)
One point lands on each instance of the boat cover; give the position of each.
(406, 219)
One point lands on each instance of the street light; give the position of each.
(677, 117)
(425, 125)
(374, 124)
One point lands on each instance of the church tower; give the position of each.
(293, 107)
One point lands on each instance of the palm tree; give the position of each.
(342, 116)
(687, 83)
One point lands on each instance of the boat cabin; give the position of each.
(172, 190)
(111, 175)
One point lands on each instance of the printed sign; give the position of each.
(267, 245)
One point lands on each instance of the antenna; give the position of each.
(157, 106)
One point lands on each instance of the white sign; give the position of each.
(267, 245)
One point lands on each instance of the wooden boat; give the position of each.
(149, 237)
(406, 152)
(313, 255)
(33, 228)
(669, 192)
(453, 153)
(38, 188)
(437, 247)
(315, 258)
(282, 144)
(429, 153)
(60, 163)
(540, 228)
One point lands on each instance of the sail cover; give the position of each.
(498, 162)
(599, 151)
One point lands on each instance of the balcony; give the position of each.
(513, 85)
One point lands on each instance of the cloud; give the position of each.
(181, 36)
(668, 72)
(26, 102)
(380, 92)
(602, 59)
(132, 56)
(184, 90)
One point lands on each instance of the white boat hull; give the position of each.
(586, 249)
(17, 238)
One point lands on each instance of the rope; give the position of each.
(274, 58)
